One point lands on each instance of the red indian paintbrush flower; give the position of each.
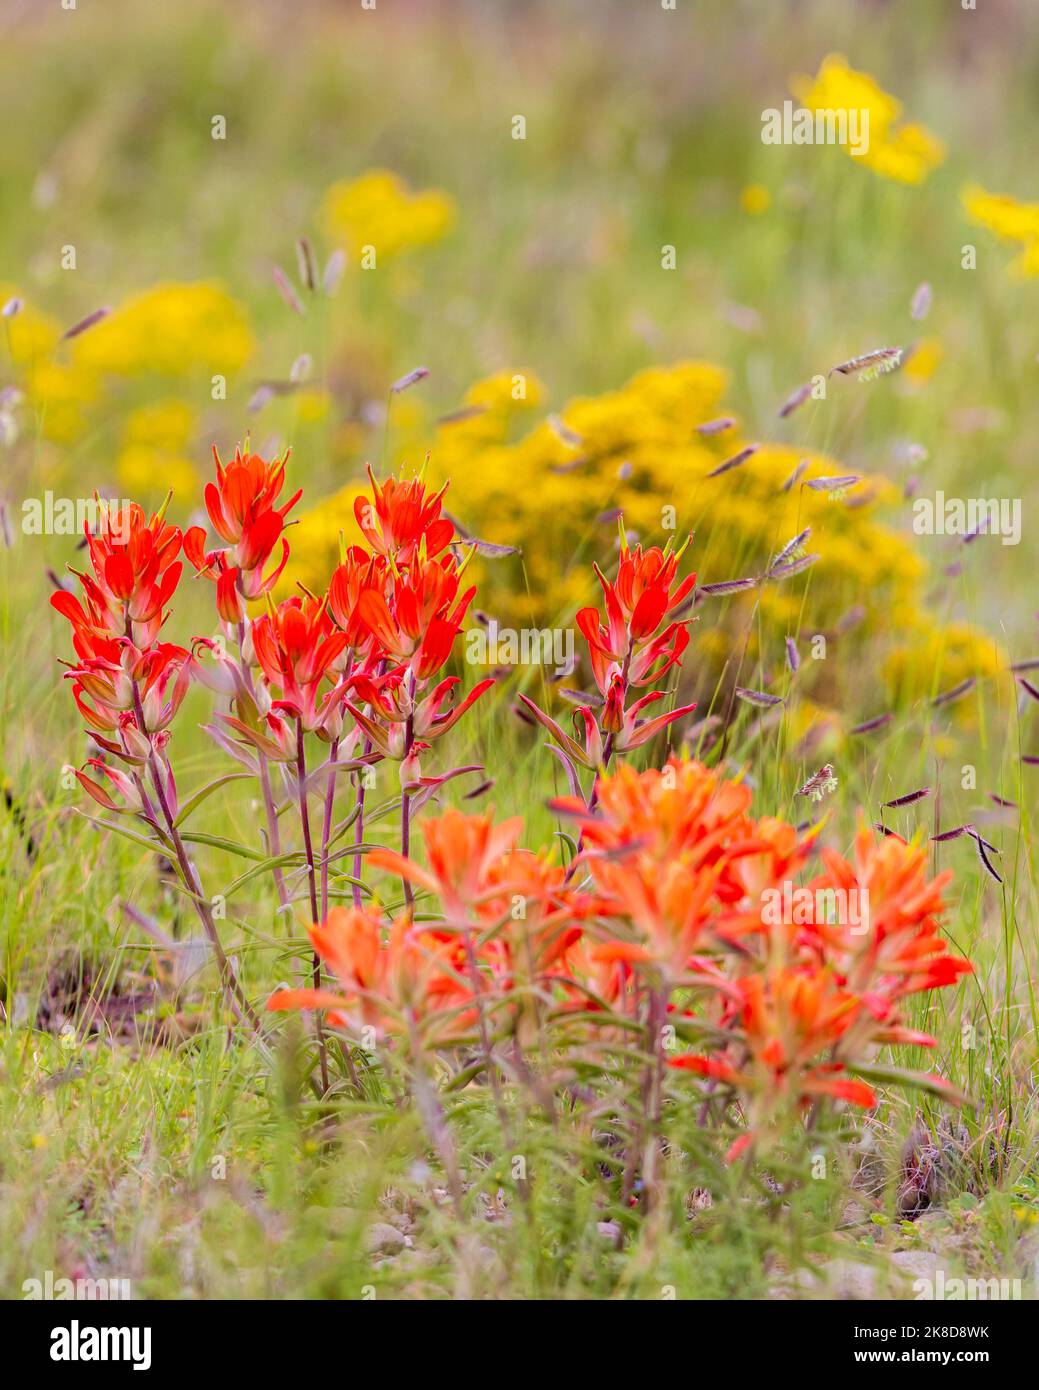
(136, 571)
(630, 649)
(402, 606)
(297, 648)
(356, 574)
(125, 679)
(643, 588)
(393, 710)
(631, 642)
(241, 507)
(400, 519)
(417, 624)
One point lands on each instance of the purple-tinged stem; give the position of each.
(240, 1006)
(405, 818)
(359, 831)
(264, 773)
(308, 845)
(326, 829)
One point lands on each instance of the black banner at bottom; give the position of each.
(775, 1337)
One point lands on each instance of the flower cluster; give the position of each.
(387, 981)
(1009, 218)
(241, 507)
(378, 210)
(815, 998)
(509, 919)
(676, 855)
(362, 662)
(635, 646)
(677, 869)
(171, 333)
(354, 663)
(661, 912)
(127, 684)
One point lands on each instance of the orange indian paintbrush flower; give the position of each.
(538, 913)
(787, 1023)
(902, 950)
(381, 981)
(665, 849)
(462, 852)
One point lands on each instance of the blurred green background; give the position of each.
(643, 129)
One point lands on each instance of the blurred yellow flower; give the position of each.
(937, 658)
(908, 156)
(156, 451)
(755, 199)
(312, 405)
(1008, 218)
(924, 360)
(1002, 214)
(906, 153)
(59, 395)
(553, 489)
(812, 727)
(57, 391)
(171, 330)
(30, 334)
(379, 210)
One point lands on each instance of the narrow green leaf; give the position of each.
(219, 842)
(899, 1076)
(210, 787)
(159, 845)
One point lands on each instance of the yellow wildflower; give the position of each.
(156, 452)
(923, 361)
(938, 658)
(171, 330)
(755, 199)
(379, 210)
(1002, 214)
(906, 153)
(553, 490)
(1010, 219)
(30, 334)
(58, 395)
